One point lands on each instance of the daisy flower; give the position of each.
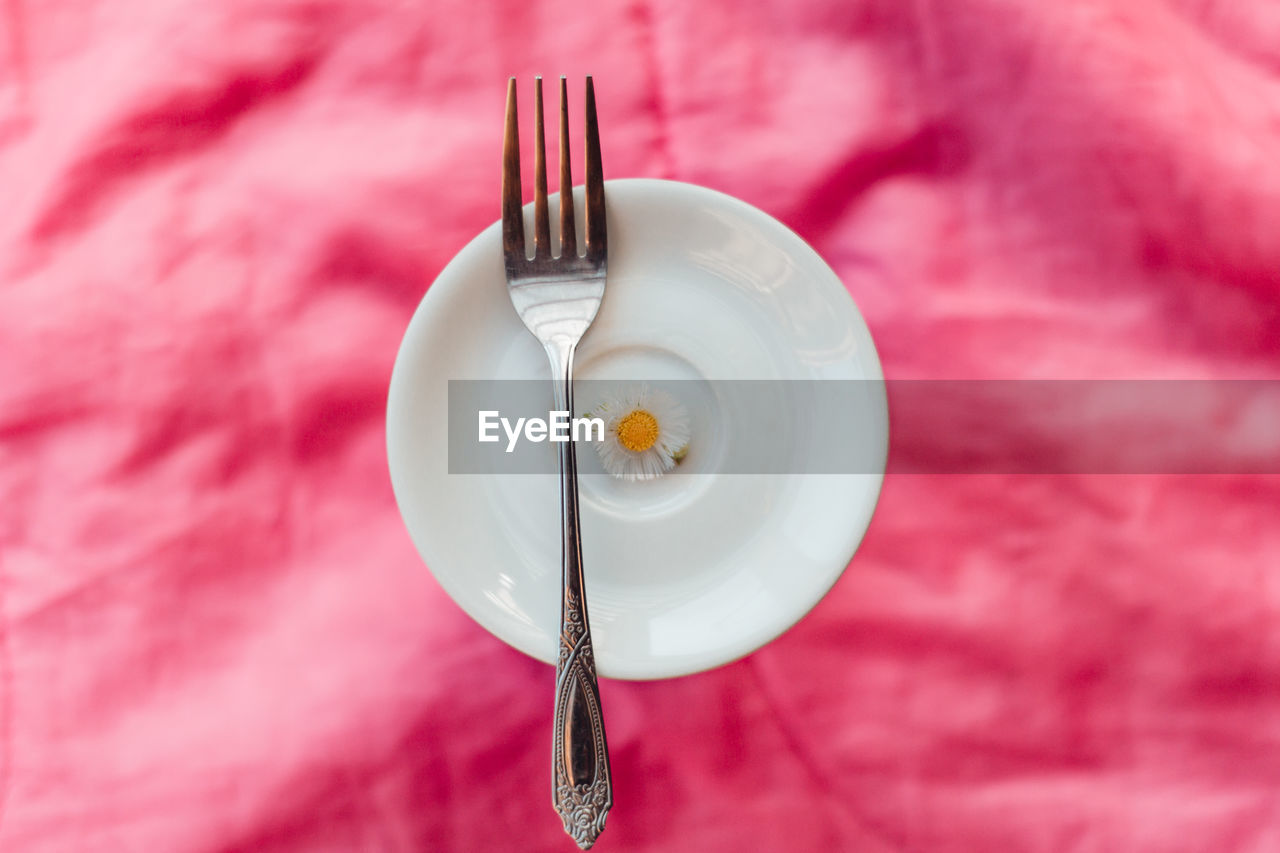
(646, 433)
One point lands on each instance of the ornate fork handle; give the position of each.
(582, 784)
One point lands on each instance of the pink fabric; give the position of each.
(218, 218)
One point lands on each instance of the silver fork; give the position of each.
(557, 297)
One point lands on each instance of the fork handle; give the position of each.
(582, 785)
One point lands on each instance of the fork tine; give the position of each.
(596, 237)
(568, 233)
(541, 224)
(512, 208)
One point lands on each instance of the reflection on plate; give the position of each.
(685, 572)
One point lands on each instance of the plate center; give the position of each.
(616, 368)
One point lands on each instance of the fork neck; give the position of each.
(560, 354)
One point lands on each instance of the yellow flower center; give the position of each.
(637, 431)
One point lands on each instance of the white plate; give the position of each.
(686, 572)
